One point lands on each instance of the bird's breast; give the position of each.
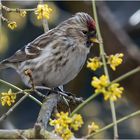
(55, 70)
(66, 68)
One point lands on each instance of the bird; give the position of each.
(57, 56)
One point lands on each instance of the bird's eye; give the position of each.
(85, 32)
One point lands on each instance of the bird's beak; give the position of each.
(94, 40)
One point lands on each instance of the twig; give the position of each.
(4, 116)
(23, 137)
(27, 133)
(124, 76)
(84, 103)
(19, 89)
(114, 81)
(13, 107)
(112, 124)
(4, 19)
(39, 94)
(102, 52)
(7, 9)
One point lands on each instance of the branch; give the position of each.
(4, 116)
(124, 76)
(7, 9)
(84, 103)
(112, 124)
(19, 89)
(116, 39)
(102, 52)
(128, 74)
(28, 134)
(47, 108)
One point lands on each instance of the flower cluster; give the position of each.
(12, 25)
(77, 122)
(112, 60)
(113, 92)
(109, 90)
(94, 63)
(43, 11)
(63, 124)
(22, 13)
(8, 98)
(115, 60)
(100, 83)
(93, 127)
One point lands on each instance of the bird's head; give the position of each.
(87, 25)
(83, 23)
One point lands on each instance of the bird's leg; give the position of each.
(66, 100)
(61, 92)
(65, 92)
(58, 90)
(28, 73)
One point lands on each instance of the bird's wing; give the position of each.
(32, 49)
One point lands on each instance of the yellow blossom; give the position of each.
(43, 11)
(110, 91)
(77, 122)
(63, 124)
(100, 83)
(66, 134)
(92, 128)
(94, 63)
(113, 92)
(8, 98)
(22, 13)
(115, 60)
(12, 25)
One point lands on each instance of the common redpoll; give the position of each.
(57, 56)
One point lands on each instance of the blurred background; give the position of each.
(120, 27)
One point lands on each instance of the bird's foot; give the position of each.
(64, 92)
(60, 91)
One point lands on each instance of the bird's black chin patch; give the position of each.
(89, 44)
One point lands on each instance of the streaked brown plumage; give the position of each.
(55, 57)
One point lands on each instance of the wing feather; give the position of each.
(32, 49)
